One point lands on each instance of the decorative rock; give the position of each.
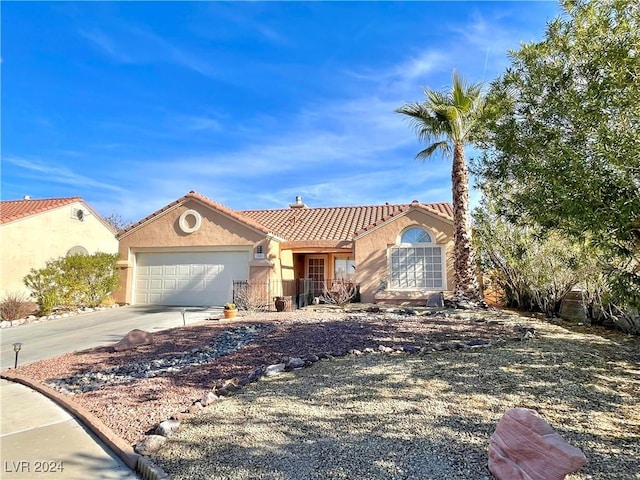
(150, 444)
(311, 358)
(295, 362)
(208, 398)
(197, 406)
(436, 300)
(409, 348)
(355, 352)
(5, 324)
(231, 385)
(525, 447)
(255, 375)
(276, 369)
(179, 416)
(384, 349)
(167, 427)
(133, 339)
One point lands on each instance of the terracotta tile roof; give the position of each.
(11, 210)
(334, 223)
(202, 199)
(308, 224)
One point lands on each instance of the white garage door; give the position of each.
(188, 278)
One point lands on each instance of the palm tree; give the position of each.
(446, 120)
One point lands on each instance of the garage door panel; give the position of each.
(188, 278)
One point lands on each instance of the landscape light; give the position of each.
(16, 348)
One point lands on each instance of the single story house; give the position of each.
(191, 251)
(36, 230)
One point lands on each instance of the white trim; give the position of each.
(184, 225)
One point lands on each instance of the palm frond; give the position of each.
(443, 146)
(446, 116)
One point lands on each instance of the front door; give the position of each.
(316, 271)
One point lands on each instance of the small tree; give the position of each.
(117, 221)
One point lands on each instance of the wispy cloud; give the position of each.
(53, 173)
(198, 123)
(140, 45)
(402, 77)
(106, 45)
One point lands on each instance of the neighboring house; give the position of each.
(189, 252)
(34, 231)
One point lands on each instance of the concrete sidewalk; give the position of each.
(40, 440)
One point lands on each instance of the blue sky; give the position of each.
(130, 105)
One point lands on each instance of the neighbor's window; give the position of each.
(77, 250)
(416, 262)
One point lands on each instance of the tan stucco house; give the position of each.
(33, 231)
(191, 251)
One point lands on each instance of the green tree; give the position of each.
(446, 121)
(564, 138)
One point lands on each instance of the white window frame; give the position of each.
(420, 275)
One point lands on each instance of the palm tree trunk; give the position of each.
(465, 278)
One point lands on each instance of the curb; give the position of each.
(137, 463)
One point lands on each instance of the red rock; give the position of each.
(133, 339)
(525, 447)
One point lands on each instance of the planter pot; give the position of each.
(230, 313)
(280, 304)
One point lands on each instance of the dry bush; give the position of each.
(15, 305)
(252, 297)
(340, 293)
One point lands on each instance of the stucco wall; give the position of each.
(371, 250)
(164, 233)
(29, 242)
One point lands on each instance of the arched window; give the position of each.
(415, 235)
(416, 262)
(77, 250)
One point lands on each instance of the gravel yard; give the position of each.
(375, 416)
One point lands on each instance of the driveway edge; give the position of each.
(139, 464)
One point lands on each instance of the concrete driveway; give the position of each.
(88, 330)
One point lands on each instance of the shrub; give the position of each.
(14, 306)
(252, 296)
(534, 269)
(73, 281)
(46, 286)
(340, 293)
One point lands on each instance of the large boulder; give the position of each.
(150, 444)
(525, 447)
(133, 339)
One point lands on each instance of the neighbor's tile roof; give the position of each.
(11, 210)
(334, 223)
